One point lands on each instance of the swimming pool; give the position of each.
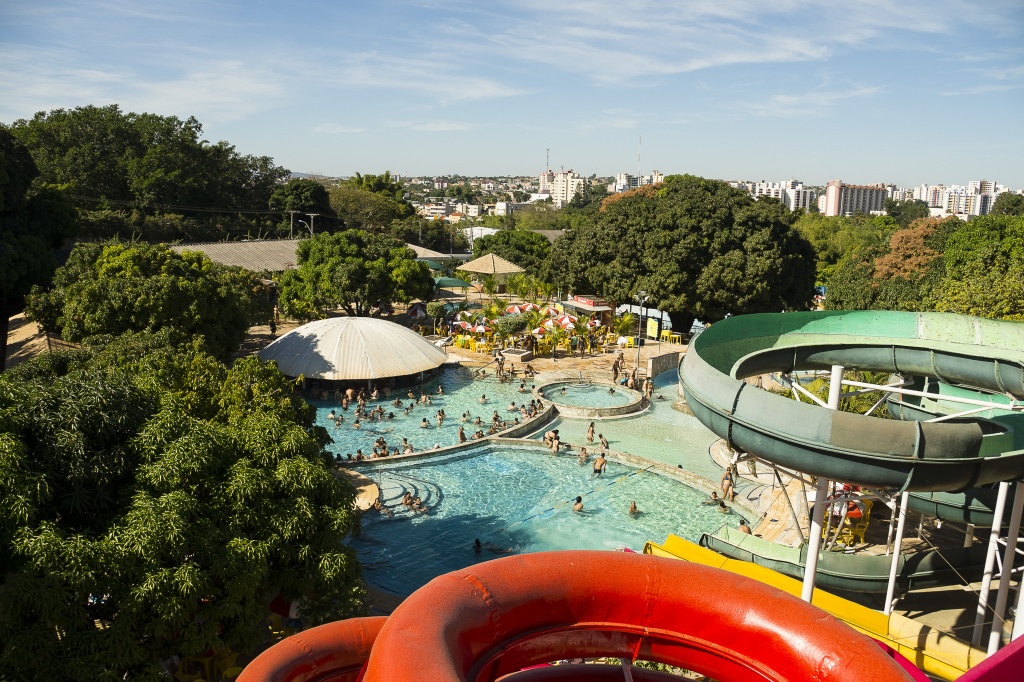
(516, 499)
(462, 394)
(586, 395)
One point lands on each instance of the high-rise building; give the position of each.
(791, 193)
(843, 199)
(561, 186)
(625, 182)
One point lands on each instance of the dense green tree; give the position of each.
(437, 235)
(33, 224)
(698, 247)
(905, 212)
(836, 238)
(303, 196)
(529, 250)
(1008, 203)
(362, 209)
(117, 288)
(149, 515)
(362, 272)
(102, 153)
(378, 184)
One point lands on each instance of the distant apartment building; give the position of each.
(973, 199)
(470, 210)
(625, 182)
(561, 186)
(842, 199)
(436, 207)
(791, 193)
(441, 183)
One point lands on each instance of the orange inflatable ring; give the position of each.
(501, 616)
(334, 652)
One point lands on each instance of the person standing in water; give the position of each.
(578, 507)
(590, 433)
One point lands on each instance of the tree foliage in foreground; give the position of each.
(529, 250)
(700, 248)
(116, 288)
(360, 271)
(151, 502)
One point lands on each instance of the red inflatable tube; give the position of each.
(335, 652)
(499, 617)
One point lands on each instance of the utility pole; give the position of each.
(291, 223)
(312, 217)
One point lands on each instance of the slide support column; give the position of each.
(835, 388)
(990, 561)
(995, 637)
(890, 592)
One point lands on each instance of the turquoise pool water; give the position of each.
(462, 394)
(518, 500)
(587, 395)
(662, 434)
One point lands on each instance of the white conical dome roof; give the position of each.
(353, 348)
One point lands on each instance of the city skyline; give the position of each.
(902, 92)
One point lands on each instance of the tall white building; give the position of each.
(561, 186)
(843, 199)
(625, 182)
(791, 193)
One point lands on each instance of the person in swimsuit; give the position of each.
(633, 511)
(578, 507)
(462, 434)
(744, 528)
(728, 489)
(590, 433)
(603, 441)
(600, 464)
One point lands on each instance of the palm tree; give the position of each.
(490, 285)
(624, 324)
(557, 336)
(517, 284)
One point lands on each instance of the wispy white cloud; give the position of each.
(431, 126)
(808, 104)
(430, 77)
(336, 129)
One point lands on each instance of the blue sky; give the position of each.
(869, 91)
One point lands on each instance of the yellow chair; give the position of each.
(630, 342)
(855, 528)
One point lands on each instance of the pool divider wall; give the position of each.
(634, 406)
(515, 432)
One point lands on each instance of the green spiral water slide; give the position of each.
(971, 355)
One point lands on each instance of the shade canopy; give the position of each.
(491, 265)
(433, 265)
(353, 349)
(450, 282)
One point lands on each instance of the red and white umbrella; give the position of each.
(565, 319)
(551, 324)
(463, 324)
(594, 324)
(529, 306)
(550, 311)
(568, 325)
(466, 315)
(480, 329)
(513, 310)
(539, 331)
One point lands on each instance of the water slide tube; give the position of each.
(934, 652)
(335, 652)
(853, 572)
(905, 455)
(501, 617)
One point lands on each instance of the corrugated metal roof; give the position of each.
(353, 349)
(272, 255)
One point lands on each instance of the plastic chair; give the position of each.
(630, 342)
(855, 528)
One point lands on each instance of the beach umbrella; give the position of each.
(539, 331)
(481, 329)
(568, 325)
(594, 324)
(550, 324)
(462, 324)
(466, 315)
(549, 311)
(564, 319)
(513, 310)
(529, 306)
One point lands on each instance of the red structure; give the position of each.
(500, 617)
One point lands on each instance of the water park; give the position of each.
(529, 523)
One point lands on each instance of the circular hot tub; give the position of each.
(590, 400)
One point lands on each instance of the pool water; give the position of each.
(587, 395)
(516, 500)
(662, 434)
(462, 394)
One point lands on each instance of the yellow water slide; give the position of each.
(936, 653)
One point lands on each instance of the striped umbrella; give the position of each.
(481, 329)
(550, 311)
(513, 310)
(551, 324)
(529, 306)
(566, 319)
(539, 331)
(568, 325)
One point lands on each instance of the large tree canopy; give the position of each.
(117, 288)
(362, 272)
(360, 208)
(104, 153)
(304, 196)
(698, 247)
(150, 501)
(529, 250)
(33, 223)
